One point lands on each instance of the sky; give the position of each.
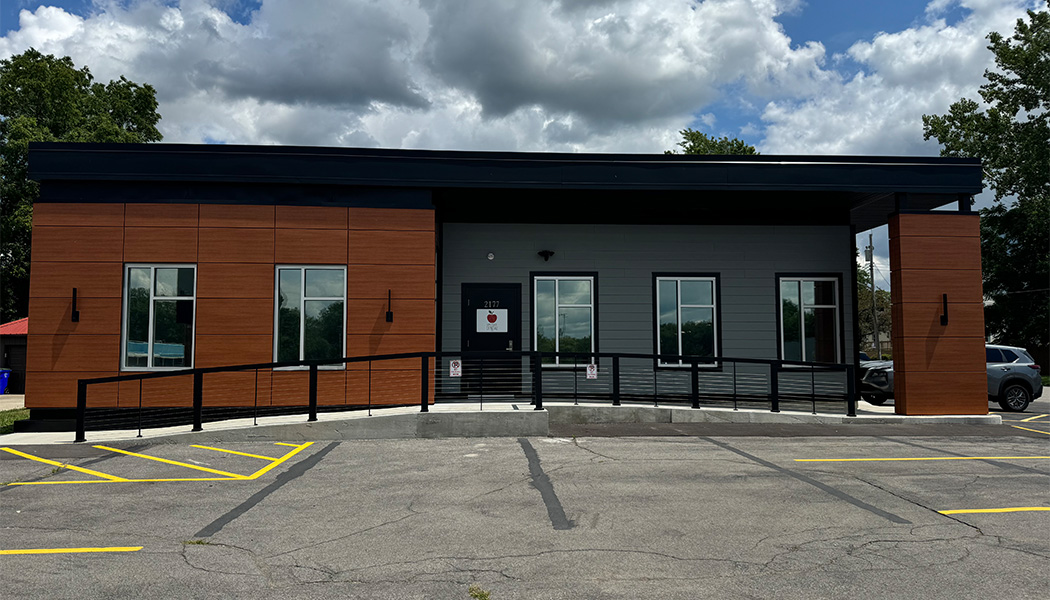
(787, 76)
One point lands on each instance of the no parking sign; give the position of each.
(592, 371)
(455, 368)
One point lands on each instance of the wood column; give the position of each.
(939, 369)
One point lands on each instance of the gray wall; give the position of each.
(625, 258)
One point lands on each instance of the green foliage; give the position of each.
(695, 142)
(1011, 136)
(477, 593)
(883, 310)
(47, 99)
(8, 418)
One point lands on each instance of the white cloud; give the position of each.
(904, 75)
(566, 75)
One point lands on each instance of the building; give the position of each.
(153, 257)
(13, 353)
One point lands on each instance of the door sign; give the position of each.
(592, 371)
(492, 320)
(455, 368)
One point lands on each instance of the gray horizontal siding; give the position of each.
(747, 259)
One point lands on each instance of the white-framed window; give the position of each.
(686, 317)
(809, 319)
(310, 313)
(158, 316)
(563, 316)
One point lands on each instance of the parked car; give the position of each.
(1013, 378)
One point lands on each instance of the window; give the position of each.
(158, 316)
(809, 319)
(319, 293)
(563, 317)
(685, 317)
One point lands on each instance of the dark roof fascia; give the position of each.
(458, 169)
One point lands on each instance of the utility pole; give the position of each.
(870, 252)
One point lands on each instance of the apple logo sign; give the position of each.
(492, 317)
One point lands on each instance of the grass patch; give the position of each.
(8, 418)
(197, 543)
(1046, 380)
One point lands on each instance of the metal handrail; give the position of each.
(691, 365)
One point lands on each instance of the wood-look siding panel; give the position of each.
(394, 219)
(924, 319)
(53, 316)
(935, 225)
(235, 280)
(942, 393)
(290, 388)
(936, 253)
(311, 217)
(369, 345)
(57, 389)
(939, 354)
(388, 388)
(236, 388)
(368, 316)
(161, 215)
(160, 245)
(404, 281)
(961, 285)
(237, 316)
(77, 244)
(236, 215)
(92, 279)
(78, 215)
(164, 392)
(392, 247)
(225, 350)
(242, 245)
(73, 352)
(311, 246)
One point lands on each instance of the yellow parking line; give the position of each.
(172, 462)
(129, 480)
(63, 465)
(72, 550)
(234, 452)
(278, 461)
(285, 444)
(993, 510)
(1027, 429)
(931, 458)
(1033, 418)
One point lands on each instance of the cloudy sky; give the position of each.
(789, 76)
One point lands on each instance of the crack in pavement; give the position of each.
(813, 482)
(542, 482)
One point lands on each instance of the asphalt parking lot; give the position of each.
(877, 514)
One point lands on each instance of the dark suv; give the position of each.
(1013, 378)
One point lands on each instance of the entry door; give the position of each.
(491, 322)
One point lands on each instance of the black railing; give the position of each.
(169, 397)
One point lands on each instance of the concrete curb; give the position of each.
(583, 415)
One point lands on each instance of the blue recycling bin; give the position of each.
(5, 374)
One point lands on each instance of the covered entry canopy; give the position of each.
(864, 190)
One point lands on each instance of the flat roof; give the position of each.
(870, 186)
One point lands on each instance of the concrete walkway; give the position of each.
(497, 419)
(12, 401)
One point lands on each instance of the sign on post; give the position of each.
(455, 368)
(592, 371)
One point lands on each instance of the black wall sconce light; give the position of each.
(75, 315)
(546, 254)
(389, 309)
(944, 309)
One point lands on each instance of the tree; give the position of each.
(695, 142)
(884, 312)
(47, 99)
(1010, 133)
